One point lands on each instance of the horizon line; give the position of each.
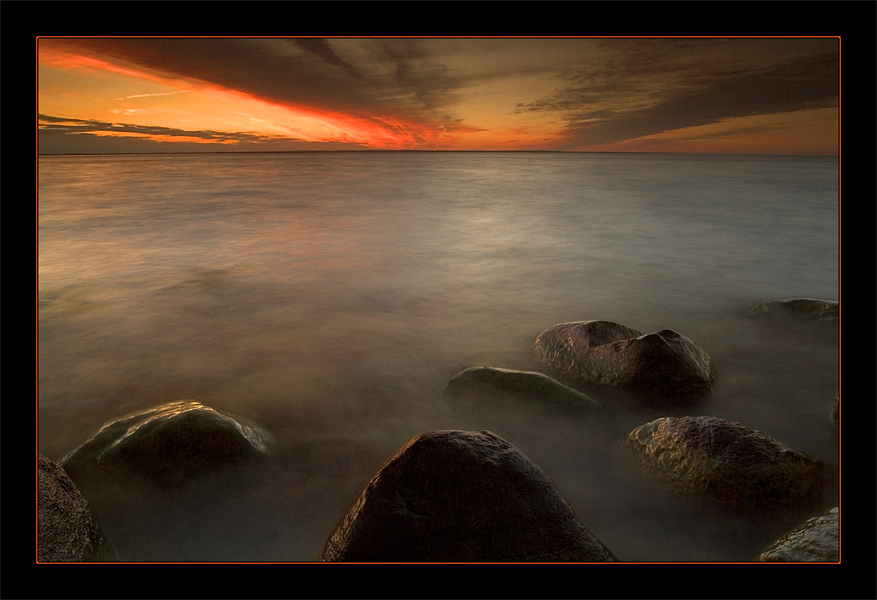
(386, 150)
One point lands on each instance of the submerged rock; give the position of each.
(801, 309)
(169, 444)
(493, 384)
(67, 530)
(664, 364)
(816, 540)
(729, 462)
(461, 496)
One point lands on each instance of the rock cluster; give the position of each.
(801, 309)
(487, 385)
(662, 365)
(170, 444)
(461, 496)
(66, 528)
(816, 540)
(729, 462)
(471, 496)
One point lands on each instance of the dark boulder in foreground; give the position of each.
(491, 385)
(664, 364)
(66, 528)
(729, 462)
(816, 540)
(169, 445)
(800, 309)
(461, 496)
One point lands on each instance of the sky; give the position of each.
(716, 95)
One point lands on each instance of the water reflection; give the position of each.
(330, 298)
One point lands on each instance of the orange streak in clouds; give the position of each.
(295, 122)
(162, 138)
(53, 56)
(316, 125)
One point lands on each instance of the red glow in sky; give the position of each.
(624, 94)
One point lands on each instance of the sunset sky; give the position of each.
(736, 95)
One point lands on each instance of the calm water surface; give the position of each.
(328, 297)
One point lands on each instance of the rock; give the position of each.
(66, 528)
(816, 540)
(665, 364)
(801, 309)
(168, 445)
(461, 496)
(492, 384)
(835, 410)
(731, 463)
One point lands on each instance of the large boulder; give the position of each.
(67, 530)
(816, 540)
(826, 312)
(461, 496)
(664, 364)
(493, 385)
(729, 462)
(168, 445)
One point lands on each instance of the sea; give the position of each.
(328, 297)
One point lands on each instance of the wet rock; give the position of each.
(461, 496)
(169, 445)
(800, 309)
(663, 365)
(816, 540)
(66, 528)
(729, 462)
(493, 385)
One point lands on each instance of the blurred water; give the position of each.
(328, 297)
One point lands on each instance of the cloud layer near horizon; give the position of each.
(413, 93)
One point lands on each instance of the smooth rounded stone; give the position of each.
(66, 528)
(461, 496)
(803, 309)
(494, 384)
(169, 444)
(729, 462)
(816, 540)
(664, 364)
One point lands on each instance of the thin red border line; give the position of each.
(446, 37)
(839, 303)
(840, 309)
(37, 299)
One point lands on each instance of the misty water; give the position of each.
(328, 298)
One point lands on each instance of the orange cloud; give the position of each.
(53, 53)
(571, 95)
(207, 106)
(161, 138)
(812, 131)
